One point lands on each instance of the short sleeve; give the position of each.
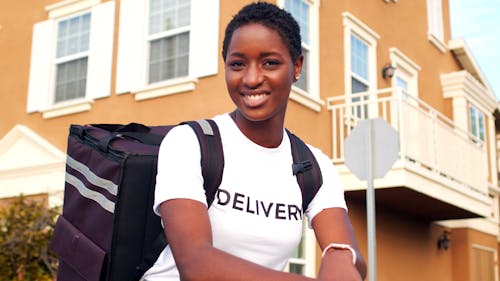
(331, 193)
(179, 171)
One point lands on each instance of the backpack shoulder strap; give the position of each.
(306, 169)
(212, 155)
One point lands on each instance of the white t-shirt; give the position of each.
(256, 214)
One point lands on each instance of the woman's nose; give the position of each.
(253, 76)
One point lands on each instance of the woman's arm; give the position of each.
(188, 231)
(332, 225)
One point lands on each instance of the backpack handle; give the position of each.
(143, 138)
(130, 127)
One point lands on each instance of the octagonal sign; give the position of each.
(375, 138)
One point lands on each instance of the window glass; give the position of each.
(169, 58)
(73, 35)
(302, 82)
(166, 15)
(359, 75)
(359, 57)
(481, 126)
(71, 80)
(71, 57)
(169, 39)
(477, 123)
(403, 85)
(300, 11)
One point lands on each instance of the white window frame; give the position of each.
(133, 53)
(41, 88)
(311, 98)
(406, 69)
(353, 26)
(160, 35)
(435, 31)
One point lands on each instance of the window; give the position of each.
(300, 11)
(359, 76)
(168, 39)
(306, 89)
(406, 74)
(435, 24)
(360, 43)
(164, 46)
(403, 85)
(476, 118)
(71, 56)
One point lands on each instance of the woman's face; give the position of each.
(260, 72)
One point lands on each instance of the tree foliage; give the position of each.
(26, 227)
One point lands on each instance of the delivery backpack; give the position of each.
(107, 230)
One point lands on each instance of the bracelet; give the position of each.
(342, 247)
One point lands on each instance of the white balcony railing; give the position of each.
(427, 137)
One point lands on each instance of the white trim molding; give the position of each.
(169, 87)
(43, 174)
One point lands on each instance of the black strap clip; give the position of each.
(301, 167)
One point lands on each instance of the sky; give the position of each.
(478, 22)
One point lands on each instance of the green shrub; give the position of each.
(26, 227)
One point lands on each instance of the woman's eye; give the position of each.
(271, 63)
(236, 65)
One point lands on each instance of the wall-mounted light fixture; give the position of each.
(443, 241)
(388, 71)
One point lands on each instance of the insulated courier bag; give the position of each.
(107, 230)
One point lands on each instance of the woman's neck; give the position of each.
(268, 133)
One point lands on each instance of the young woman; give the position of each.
(262, 55)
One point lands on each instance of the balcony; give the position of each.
(442, 170)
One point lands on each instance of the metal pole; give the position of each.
(370, 206)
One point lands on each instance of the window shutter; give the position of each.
(101, 51)
(204, 38)
(40, 68)
(131, 43)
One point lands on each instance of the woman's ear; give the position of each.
(298, 67)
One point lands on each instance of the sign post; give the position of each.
(370, 151)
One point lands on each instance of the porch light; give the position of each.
(444, 241)
(388, 71)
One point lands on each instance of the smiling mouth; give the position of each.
(254, 100)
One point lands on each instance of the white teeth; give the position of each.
(255, 97)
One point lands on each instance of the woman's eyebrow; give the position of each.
(262, 54)
(237, 54)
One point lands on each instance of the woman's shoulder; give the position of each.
(178, 137)
(324, 161)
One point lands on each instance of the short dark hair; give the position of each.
(272, 17)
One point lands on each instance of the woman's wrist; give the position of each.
(342, 247)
